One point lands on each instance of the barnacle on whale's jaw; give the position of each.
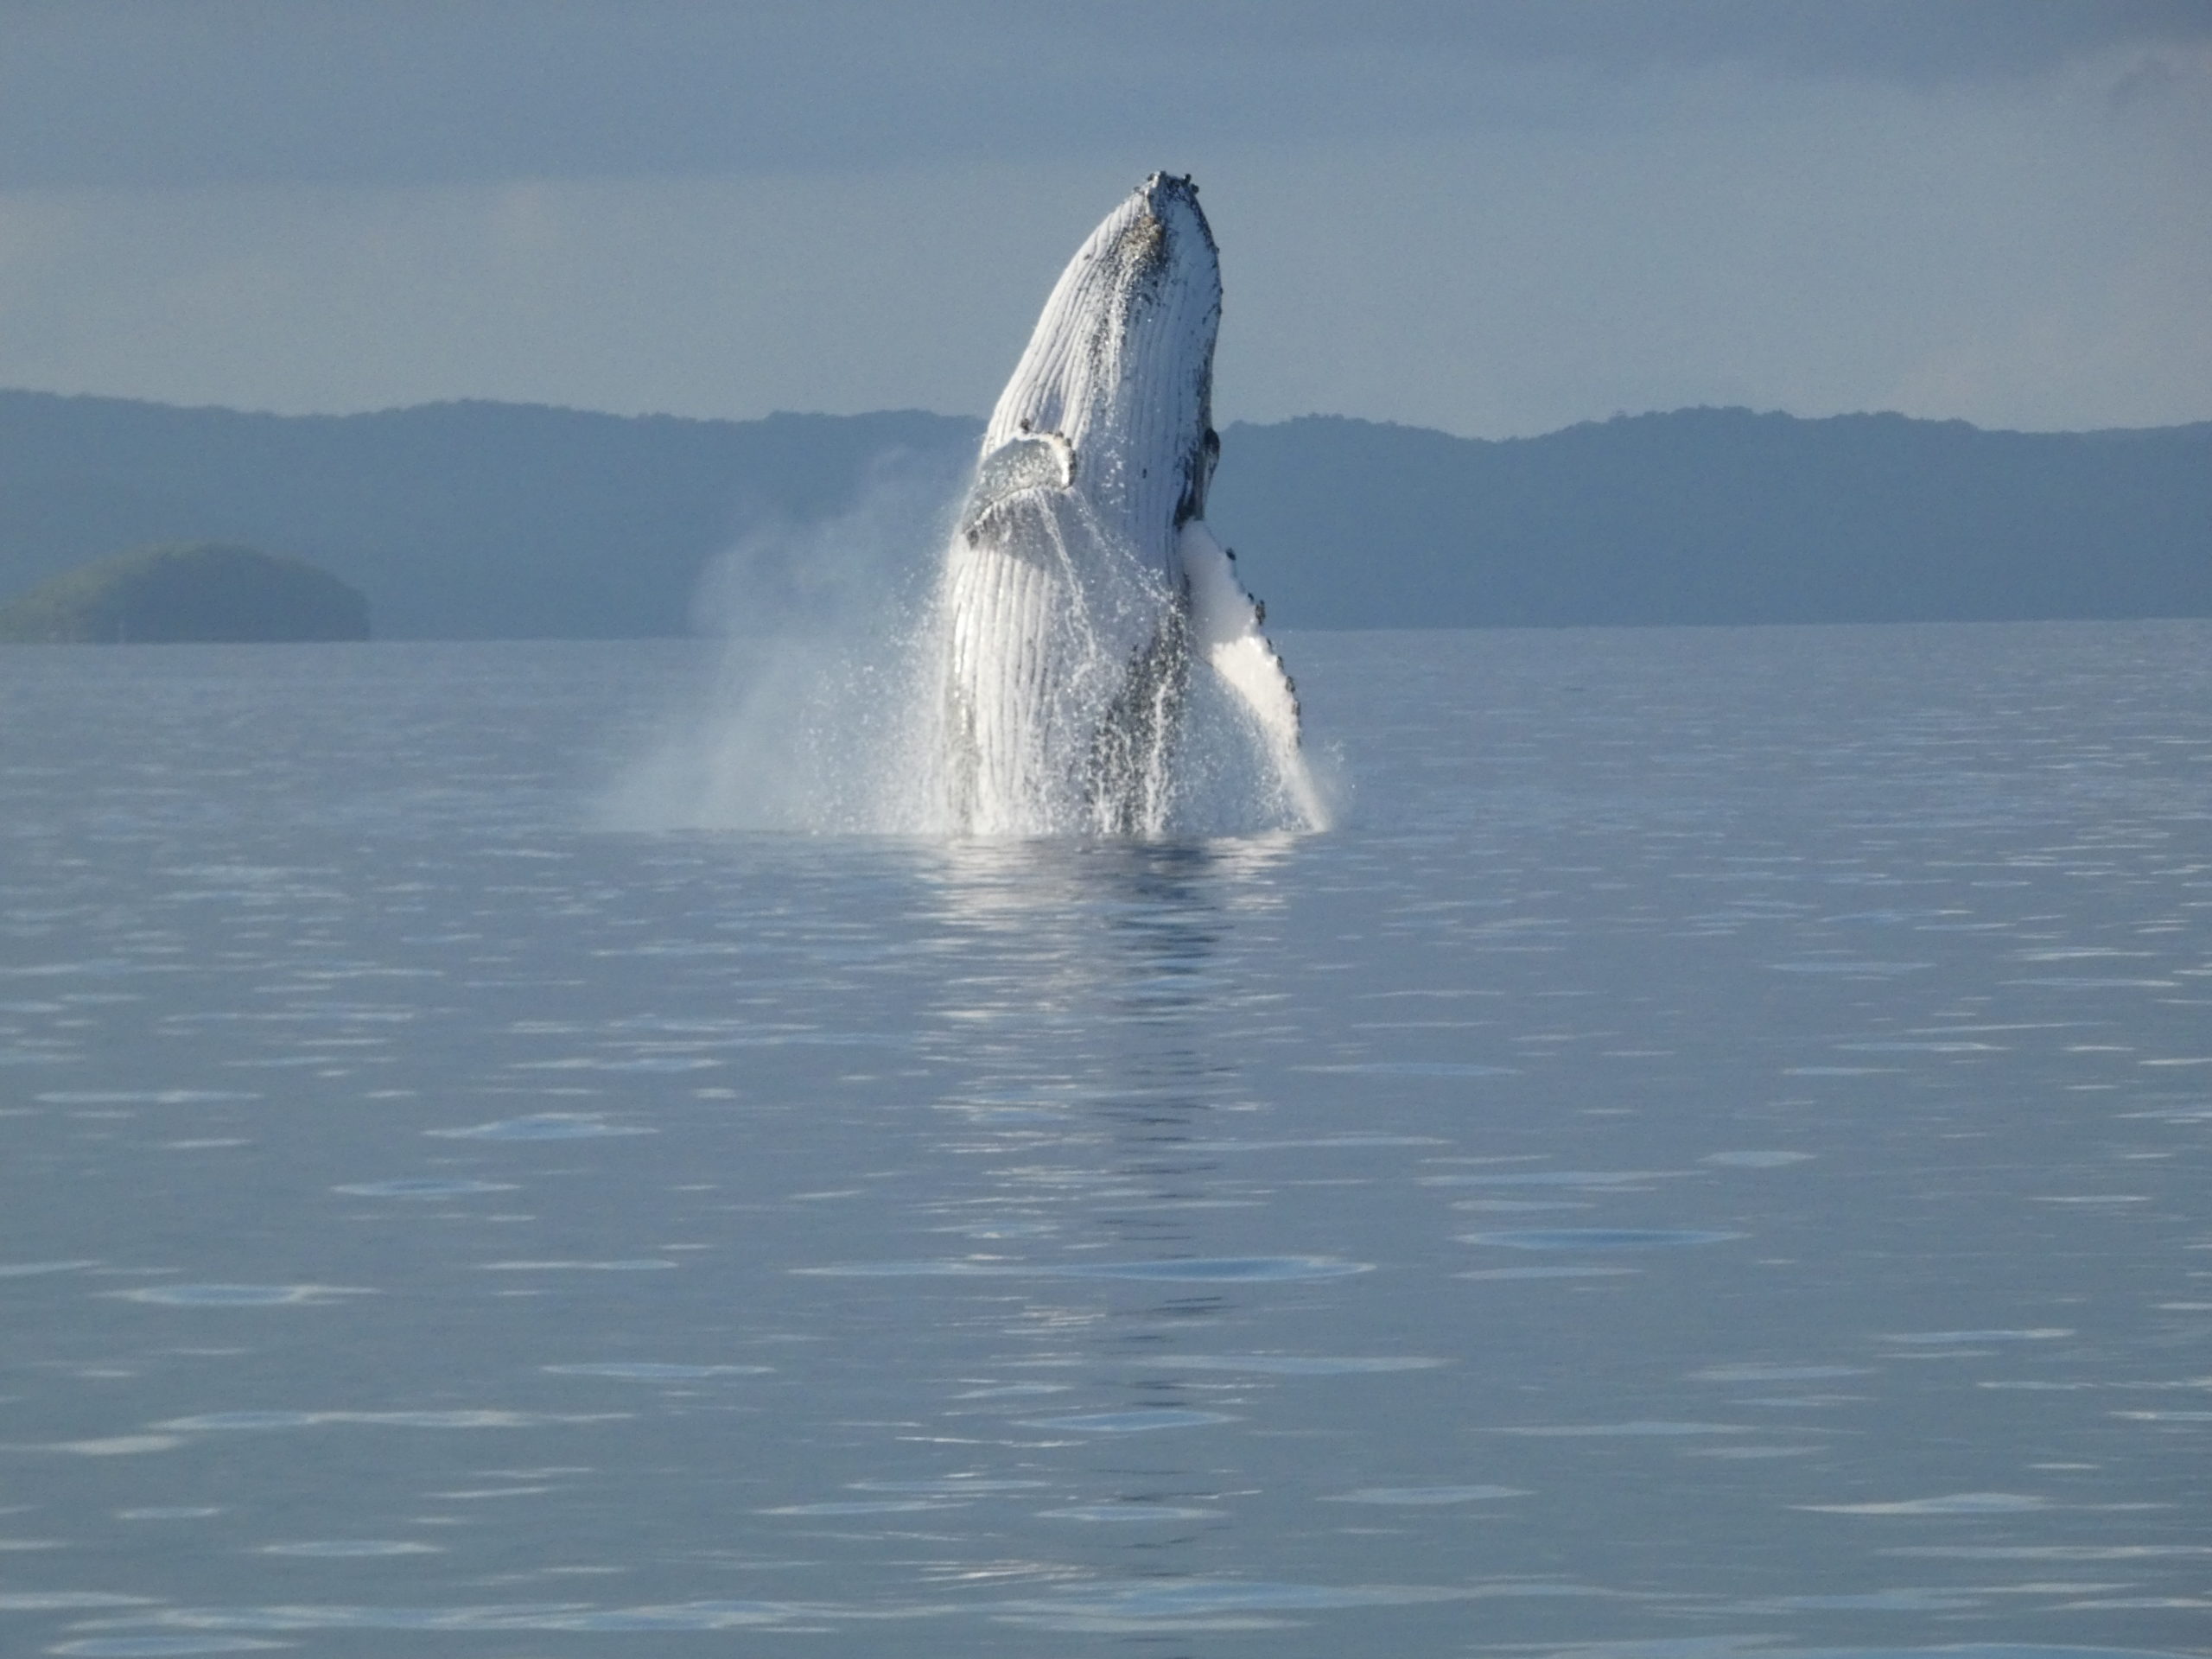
(1041, 461)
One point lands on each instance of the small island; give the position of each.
(189, 593)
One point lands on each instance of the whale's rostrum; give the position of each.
(1082, 590)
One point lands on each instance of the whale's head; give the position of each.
(1113, 394)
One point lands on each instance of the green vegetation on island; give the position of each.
(193, 592)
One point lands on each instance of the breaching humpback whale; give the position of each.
(1082, 582)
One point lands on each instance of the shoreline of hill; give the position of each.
(480, 520)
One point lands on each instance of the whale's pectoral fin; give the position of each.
(1043, 461)
(1225, 625)
(1226, 621)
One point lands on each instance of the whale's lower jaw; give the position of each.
(1059, 720)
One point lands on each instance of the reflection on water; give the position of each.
(1711, 1165)
(1111, 953)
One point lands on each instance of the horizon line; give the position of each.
(1617, 417)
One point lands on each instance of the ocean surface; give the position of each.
(1708, 1159)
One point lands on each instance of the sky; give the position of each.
(1494, 219)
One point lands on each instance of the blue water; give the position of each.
(1709, 1161)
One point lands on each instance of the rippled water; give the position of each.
(1709, 1161)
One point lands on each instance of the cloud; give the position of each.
(118, 92)
(1495, 219)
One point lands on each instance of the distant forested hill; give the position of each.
(1719, 515)
(474, 520)
(457, 520)
(197, 592)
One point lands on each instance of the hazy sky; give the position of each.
(1492, 218)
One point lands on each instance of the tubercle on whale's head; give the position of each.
(1168, 227)
(1137, 307)
(1163, 191)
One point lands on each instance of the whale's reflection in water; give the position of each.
(1100, 1029)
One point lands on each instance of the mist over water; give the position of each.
(827, 712)
(816, 718)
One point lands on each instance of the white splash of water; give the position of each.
(834, 707)
(816, 716)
